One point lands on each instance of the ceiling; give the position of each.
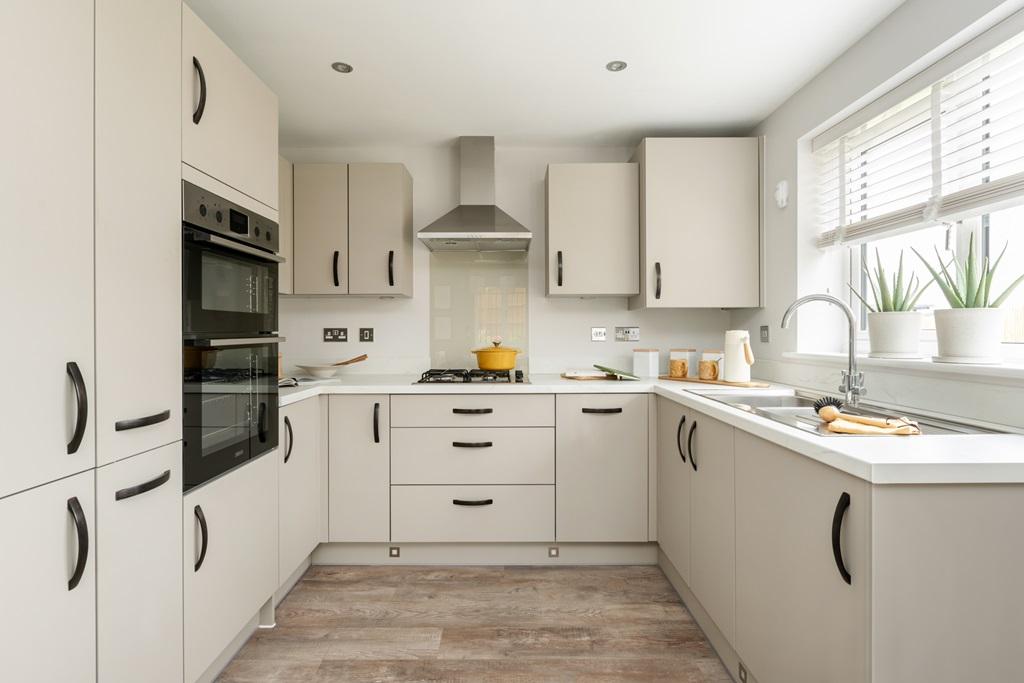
(532, 71)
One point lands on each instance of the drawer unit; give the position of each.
(473, 410)
(473, 455)
(472, 514)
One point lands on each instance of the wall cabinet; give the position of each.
(138, 555)
(320, 225)
(49, 575)
(674, 486)
(230, 559)
(299, 469)
(700, 244)
(285, 229)
(228, 115)
(593, 231)
(360, 468)
(601, 467)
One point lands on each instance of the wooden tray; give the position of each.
(752, 385)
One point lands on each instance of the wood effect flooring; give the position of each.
(480, 625)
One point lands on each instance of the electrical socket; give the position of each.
(335, 334)
(765, 335)
(627, 334)
(366, 334)
(598, 334)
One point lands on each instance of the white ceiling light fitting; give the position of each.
(616, 65)
(342, 67)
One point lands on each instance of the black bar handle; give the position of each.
(198, 511)
(837, 527)
(391, 269)
(689, 445)
(291, 438)
(559, 269)
(657, 280)
(135, 423)
(82, 409)
(472, 411)
(473, 503)
(602, 411)
(201, 107)
(261, 423)
(472, 444)
(376, 423)
(132, 491)
(679, 437)
(337, 279)
(82, 529)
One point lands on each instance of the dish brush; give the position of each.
(827, 407)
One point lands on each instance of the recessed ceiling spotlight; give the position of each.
(342, 67)
(616, 65)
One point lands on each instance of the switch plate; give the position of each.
(598, 333)
(764, 334)
(366, 334)
(335, 334)
(627, 334)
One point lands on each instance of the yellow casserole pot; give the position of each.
(496, 357)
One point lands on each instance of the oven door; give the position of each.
(229, 289)
(230, 405)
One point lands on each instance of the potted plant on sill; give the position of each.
(894, 327)
(971, 329)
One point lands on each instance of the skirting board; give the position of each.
(487, 553)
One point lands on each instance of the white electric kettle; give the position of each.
(738, 356)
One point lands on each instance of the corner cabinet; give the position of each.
(700, 223)
(300, 460)
(360, 468)
(593, 232)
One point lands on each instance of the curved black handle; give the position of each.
(291, 438)
(472, 444)
(473, 503)
(135, 423)
(391, 269)
(132, 491)
(82, 529)
(679, 436)
(82, 403)
(201, 107)
(689, 445)
(837, 527)
(601, 411)
(261, 423)
(376, 423)
(198, 511)
(657, 281)
(559, 269)
(472, 411)
(337, 280)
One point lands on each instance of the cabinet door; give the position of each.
(700, 223)
(709, 446)
(299, 467)
(593, 231)
(49, 626)
(379, 229)
(674, 486)
(285, 228)
(138, 226)
(46, 265)
(360, 469)
(797, 619)
(138, 514)
(321, 228)
(234, 519)
(601, 467)
(228, 115)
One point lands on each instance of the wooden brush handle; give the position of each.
(350, 361)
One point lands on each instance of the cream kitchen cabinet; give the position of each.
(700, 237)
(230, 558)
(360, 468)
(49, 577)
(285, 227)
(601, 467)
(46, 266)
(300, 459)
(228, 115)
(674, 486)
(138, 558)
(593, 232)
(473, 514)
(320, 226)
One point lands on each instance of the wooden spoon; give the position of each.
(350, 361)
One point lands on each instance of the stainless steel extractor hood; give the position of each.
(476, 224)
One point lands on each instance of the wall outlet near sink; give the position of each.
(627, 334)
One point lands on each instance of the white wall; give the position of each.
(559, 328)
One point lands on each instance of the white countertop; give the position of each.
(939, 459)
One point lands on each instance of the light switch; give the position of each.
(764, 334)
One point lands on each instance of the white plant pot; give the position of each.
(896, 334)
(969, 335)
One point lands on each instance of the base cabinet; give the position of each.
(360, 468)
(299, 466)
(674, 486)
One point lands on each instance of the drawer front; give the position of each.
(473, 455)
(473, 410)
(515, 514)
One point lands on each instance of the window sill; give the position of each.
(1011, 372)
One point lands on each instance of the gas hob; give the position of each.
(460, 376)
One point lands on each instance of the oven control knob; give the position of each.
(202, 209)
(256, 231)
(269, 236)
(219, 216)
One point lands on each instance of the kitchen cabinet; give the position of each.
(49, 579)
(674, 486)
(299, 460)
(46, 265)
(593, 231)
(709, 448)
(228, 115)
(473, 410)
(601, 469)
(138, 558)
(473, 514)
(321, 228)
(230, 559)
(380, 235)
(285, 227)
(138, 227)
(700, 237)
(473, 455)
(360, 468)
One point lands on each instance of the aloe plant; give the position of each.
(969, 285)
(898, 296)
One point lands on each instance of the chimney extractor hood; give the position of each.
(476, 224)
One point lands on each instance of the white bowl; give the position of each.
(320, 371)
